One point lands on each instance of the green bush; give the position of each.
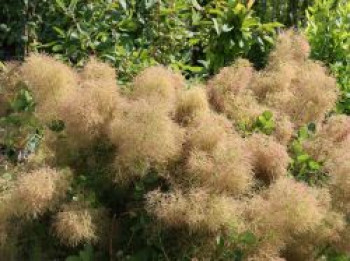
(289, 12)
(196, 37)
(328, 30)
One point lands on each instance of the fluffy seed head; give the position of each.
(284, 129)
(315, 93)
(338, 167)
(207, 131)
(75, 224)
(287, 209)
(192, 104)
(88, 111)
(98, 81)
(82, 119)
(229, 81)
(38, 191)
(195, 210)
(243, 109)
(331, 138)
(294, 86)
(273, 83)
(290, 46)
(158, 84)
(226, 169)
(144, 136)
(306, 246)
(343, 246)
(50, 81)
(95, 70)
(337, 129)
(270, 159)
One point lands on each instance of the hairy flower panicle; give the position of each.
(75, 224)
(38, 191)
(227, 169)
(273, 82)
(284, 129)
(98, 81)
(294, 86)
(81, 118)
(192, 104)
(343, 246)
(337, 129)
(207, 131)
(306, 246)
(270, 159)
(88, 111)
(243, 109)
(338, 167)
(158, 84)
(284, 211)
(195, 210)
(229, 82)
(332, 136)
(315, 94)
(92, 105)
(145, 137)
(291, 46)
(95, 70)
(50, 81)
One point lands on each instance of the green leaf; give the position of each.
(196, 5)
(314, 165)
(87, 253)
(57, 48)
(59, 31)
(123, 4)
(72, 5)
(262, 120)
(60, 3)
(268, 115)
(226, 28)
(303, 133)
(216, 26)
(303, 158)
(247, 238)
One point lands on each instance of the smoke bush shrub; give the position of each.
(166, 172)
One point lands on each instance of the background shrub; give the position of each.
(328, 30)
(196, 37)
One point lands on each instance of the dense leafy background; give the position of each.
(328, 31)
(197, 37)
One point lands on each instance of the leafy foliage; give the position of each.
(303, 166)
(234, 32)
(196, 37)
(328, 32)
(290, 13)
